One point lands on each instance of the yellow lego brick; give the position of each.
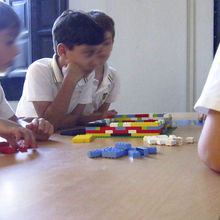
(141, 124)
(101, 134)
(143, 134)
(82, 138)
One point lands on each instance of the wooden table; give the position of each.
(59, 181)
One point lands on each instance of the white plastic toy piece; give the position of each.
(190, 140)
(170, 142)
(179, 141)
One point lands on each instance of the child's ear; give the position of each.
(61, 49)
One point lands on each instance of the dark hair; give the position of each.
(8, 18)
(76, 28)
(105, 21)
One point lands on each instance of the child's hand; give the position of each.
(75, 71)
(112, 112)
(41, 128)
(15, 133)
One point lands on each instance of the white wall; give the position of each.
(150, 51)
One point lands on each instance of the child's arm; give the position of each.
(72, 119)
(41, 128)
(209, 142)
(102, 113)
(55, 111)
(13, 132)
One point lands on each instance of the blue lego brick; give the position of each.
(95, 153)
(131, 116)
(152, 150)
(143, 150)
(160, 115)
(111, 152)
(186, 122)
(118, 116)
(101, 123)
(90, 128)
(120, 128)
(123, 145)
(134, 153)
(73, 132)
(121, 135)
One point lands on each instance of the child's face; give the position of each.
(84, 56)
(106, 48)
(8, 49)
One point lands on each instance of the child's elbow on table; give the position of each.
(209, 156)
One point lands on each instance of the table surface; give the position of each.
(59, 181)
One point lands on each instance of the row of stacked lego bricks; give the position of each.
(150, 117)
(131, 125)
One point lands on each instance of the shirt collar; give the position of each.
(56, 70)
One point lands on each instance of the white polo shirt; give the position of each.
(6, 111)
(42, 83)
(108, 90)
(210, 97)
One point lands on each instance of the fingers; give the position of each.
(26, 134)
(42, 127)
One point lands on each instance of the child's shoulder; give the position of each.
(111, 72)
(44, 63)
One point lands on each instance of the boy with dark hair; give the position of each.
(58, 89)
(106, 84)
(12, 128)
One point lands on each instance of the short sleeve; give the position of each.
(115, 91)
(6, 111)
(38, 84)
(210, 97)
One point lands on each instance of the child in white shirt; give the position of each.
(106, 83)
(209, 104)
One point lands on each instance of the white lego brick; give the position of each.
(152, 141)
(132, 131)
(179, 140)
(170, 142)
(161, 141)
(172, 136)
(108, 131)
(113, 124)
(190, 140)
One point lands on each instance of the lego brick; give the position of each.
(120, 135)
(134, 153)
(101, 135)
(152, 150)
(143, 150)
(84, 138)
(72, 132)
(111, 152)
(124, 146)
(96, 124)
(95, 153)
(189, 140)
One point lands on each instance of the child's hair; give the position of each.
(8, 18)
(105, 21)
(76, 28)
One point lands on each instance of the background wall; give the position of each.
(151, 48)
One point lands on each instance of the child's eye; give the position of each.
(107, 43)
(9, 43)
